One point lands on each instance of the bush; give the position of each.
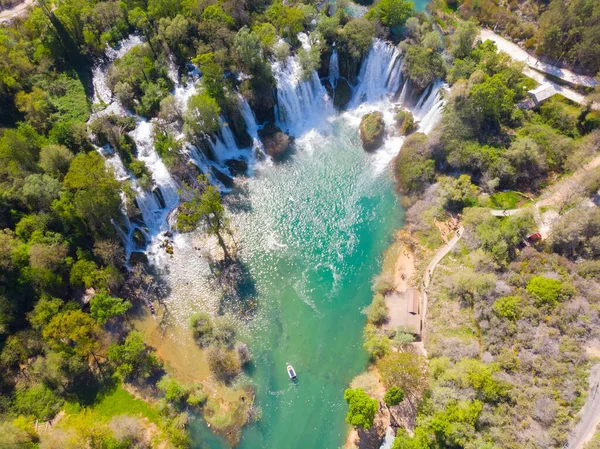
(393, 396)
(414, 168)
(376, 342)
(202, 328)
(224, 363)
(377, 313)
(405, 122)
(362, 408)
(507, 307)
(548, 291)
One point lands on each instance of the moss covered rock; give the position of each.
(405, 122)
(372, 131)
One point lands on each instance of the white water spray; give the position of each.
(334, 69)
(380, 74)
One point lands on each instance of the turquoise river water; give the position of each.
(312, 238)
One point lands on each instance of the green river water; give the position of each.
(312, 239)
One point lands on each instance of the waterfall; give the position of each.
(428, 110)
(334, 69)
(380, 74)
(252, 128)
(301, 104)
(156, 205)
(224, 145)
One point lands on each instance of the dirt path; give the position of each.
(437, 258)
(518, 54)
(8, 14)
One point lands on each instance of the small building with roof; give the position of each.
(542, 93)
(404, 310)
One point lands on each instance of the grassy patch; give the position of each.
(119, 402)
(116, 402)
(506, 200)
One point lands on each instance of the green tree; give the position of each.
(202, 116)
(38, 401)
(463, 39)
(134, 359)
(414, 167)
(405, 370)
(391, 13)
(362, 408)
(202, 328)
(74, 333)
(376, 343)
(493, 99)
(548, 291)
(224, 363)
(205, 209)
(95, 190)
(423, 66)
(55, 159)
(393, 396)
(507, 307)
(103, 307)
(456, 193)
(356, 37)
(174, 392)
(248, 48)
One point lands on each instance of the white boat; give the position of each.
(291, 372)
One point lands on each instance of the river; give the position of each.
(312, 241)
(312, 235)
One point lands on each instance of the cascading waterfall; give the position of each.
(225, 146)
(252, 128)
(156, 205)
(334, 69)
(301, 103)
(380, 74)
(429, 109)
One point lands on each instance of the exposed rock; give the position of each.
(138, 257)
(139, 238)
(405, 122)
(236, 123)
(159, 195)
(372, 131)
(223, 178)
(237, 166)
(276, 142)
(342, 93)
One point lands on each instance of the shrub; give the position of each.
(507, 307)
(362, 408)
(394, 396)
(376, 343)
(377, 312)
(174, 392)
(224, 363)
(202, 328)
(548, 291)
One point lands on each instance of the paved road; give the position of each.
(8, 14)
(441, 253)
(590, 413)
(518, 54)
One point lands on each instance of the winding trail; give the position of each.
(518, 54)
(590, 414)
(437, 258)
(17, 10)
